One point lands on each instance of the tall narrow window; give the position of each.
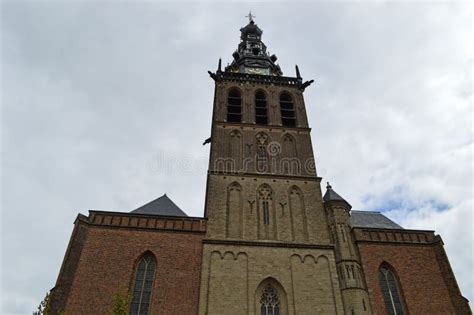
(234, 106)
(261, 112)
(266, 216)
(264, 199)
(288, 116)
(390, 291)
(269, 301)
(143, 284)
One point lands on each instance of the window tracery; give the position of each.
(265, 197)
(269, 301)
(262, 154)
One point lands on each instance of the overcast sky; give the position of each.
(105, 106)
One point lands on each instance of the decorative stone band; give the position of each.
(258, 78)
(144, 221)
(394, 236)
(267, 244)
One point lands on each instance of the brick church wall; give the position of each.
(102, 257)
(419, 267)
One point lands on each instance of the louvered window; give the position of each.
(288, 116)
(141, 295)
(390, 292)
(261, 111)
(234, 106)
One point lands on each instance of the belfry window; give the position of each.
(261, 111)
(269, 301)
(390, 291)
(288, 116)
(234, 106)
(143, 285)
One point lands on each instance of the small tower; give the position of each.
(351, 276)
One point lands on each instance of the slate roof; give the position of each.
(161, 206)
(372, 219)
(331, 195)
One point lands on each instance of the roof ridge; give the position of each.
(161, 206)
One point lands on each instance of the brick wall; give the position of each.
(107, 260)
(421, 279)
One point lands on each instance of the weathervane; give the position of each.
(250, 16)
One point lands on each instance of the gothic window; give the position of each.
(234, 106)
(390, 291)
(265, 197)
(269, 301)
(143, 284)
(262, 154)
(261, 112)
(288, 116)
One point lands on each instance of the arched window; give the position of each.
(269, 301)
(234, 106)
(390, 291)
(264, 199)
(143, 285)
(288, 116)
(261, 112)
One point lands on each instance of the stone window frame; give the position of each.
(391, 290)
(145, 292)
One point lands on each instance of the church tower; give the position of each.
(267, 248)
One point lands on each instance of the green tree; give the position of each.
(44, 308)
(121, 299)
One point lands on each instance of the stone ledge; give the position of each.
(394, 236)
(266, 244)
(143, 221)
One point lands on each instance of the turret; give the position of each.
(351, 276)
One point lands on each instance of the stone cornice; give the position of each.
(272, 176)
(394, 236)
(224, 124)
(111, 219)
(266, 244)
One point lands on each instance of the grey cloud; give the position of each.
(93, 92)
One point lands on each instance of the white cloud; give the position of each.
(93, 92)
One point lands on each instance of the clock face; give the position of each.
(263, 71)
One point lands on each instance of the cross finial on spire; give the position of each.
(250, 16)
(328, 186)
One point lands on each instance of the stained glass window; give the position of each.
(143, 284)
(391, 295)
(269, 302)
